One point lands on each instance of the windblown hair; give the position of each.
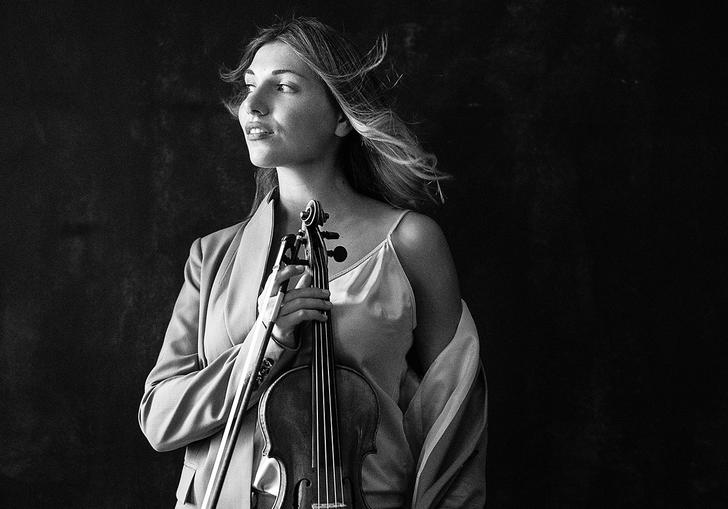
(381, 157)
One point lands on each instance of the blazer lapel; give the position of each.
(247, 272)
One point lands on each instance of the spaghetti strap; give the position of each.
(396, 223)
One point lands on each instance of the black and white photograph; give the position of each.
(363, 255)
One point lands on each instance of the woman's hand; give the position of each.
(301, 304)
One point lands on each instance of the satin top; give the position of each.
(373, 319)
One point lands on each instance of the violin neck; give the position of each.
(324, 358)
(322, 331)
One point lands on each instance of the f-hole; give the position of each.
(299, 492)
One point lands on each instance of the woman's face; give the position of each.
(287, 117)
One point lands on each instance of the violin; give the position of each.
(319, 420)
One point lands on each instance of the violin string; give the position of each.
(332, 424)
(333, 408)
(327, 360)
(338, 437)
(319, 405)
(321, 443)
(331, 390)
(325, 392)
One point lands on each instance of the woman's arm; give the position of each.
(426, 258)
(447, 420)
(184, 402)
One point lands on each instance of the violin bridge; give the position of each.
(329, 505)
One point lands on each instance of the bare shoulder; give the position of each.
(421, 246)
(417, 230)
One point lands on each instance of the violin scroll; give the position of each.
(312, 218)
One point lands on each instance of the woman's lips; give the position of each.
(257, 132)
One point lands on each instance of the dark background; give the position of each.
(586, 139)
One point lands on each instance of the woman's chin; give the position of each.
(261, 161)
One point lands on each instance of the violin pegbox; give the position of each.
(313, 218)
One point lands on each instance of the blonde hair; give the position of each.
(381, 157)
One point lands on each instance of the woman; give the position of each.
(316, 126)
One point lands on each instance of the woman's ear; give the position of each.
(343, 127)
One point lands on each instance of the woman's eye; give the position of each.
(284, 87)
(248, 86)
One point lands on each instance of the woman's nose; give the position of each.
(255, 103)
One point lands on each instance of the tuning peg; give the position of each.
(338, 253)
(330, 235)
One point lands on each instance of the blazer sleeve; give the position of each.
(183, 402)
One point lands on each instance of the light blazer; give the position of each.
(189, 392)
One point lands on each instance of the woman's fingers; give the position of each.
(306, 279)
(305, 296)
(306, 293)
(301, 304)
(288, 272)
(291, 320)
(291, 306)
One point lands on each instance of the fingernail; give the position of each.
(299, 268)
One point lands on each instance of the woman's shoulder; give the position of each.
(409, 230)
(423, 251)
(416, 232)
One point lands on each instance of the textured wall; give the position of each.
(585, 138)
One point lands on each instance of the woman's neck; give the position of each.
(297, 187)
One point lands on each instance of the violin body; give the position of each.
(288, 420)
